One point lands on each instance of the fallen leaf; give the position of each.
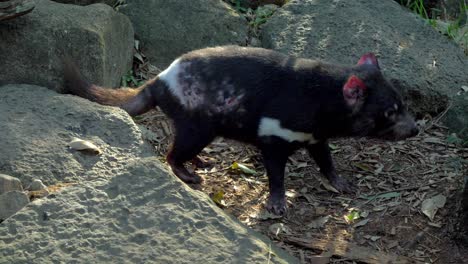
(362, 166)
(353, 215)
(279, 228)
(433, 140)
(83, 145)
(361, 223)
(218, 198)
(430, 206)
(319, 222)
(243, 168)
(265, 215)
(291, 194)
(326, 184)
(383, 196)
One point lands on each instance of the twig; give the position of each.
(437, 119)
(346, 250)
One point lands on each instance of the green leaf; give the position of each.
(363, 167)
(333, 146)
(353, 215)
(453, 139)
(218, 198)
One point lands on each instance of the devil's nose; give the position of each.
(414, 131)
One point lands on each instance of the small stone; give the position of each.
(36, 185)
(12, 202)
(8, 183)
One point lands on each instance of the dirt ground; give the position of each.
(384, 215)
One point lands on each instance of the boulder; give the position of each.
(87, 2)
(36, 185)
(38, 145)
(99, 39)
(169, 28)
(8, 183)
(12, 202)
(429, 68)
(121, 206)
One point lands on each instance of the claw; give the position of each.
(276, 205)
(187, 176)
(342, 185)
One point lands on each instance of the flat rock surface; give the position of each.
(119, 207)
(424, 64)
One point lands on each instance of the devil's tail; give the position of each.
(135, 101)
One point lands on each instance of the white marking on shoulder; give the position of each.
(170, 77)
(272, 127)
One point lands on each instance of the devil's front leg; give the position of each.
(321, 154)
(275, 156)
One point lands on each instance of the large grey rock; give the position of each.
(429, 68)
(37, 124)
(122, 207)
(86, 2)
(8, 183)
(98, 38)
(169, 28)
(12, 202)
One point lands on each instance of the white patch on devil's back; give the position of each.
(184, 86)
(170, 77)
(272, 127)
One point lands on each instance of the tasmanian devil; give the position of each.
(273, 101)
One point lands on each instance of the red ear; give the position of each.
(354, 91)
(369, 58)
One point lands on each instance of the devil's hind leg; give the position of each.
(190, 139)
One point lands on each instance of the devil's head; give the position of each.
(377, 108)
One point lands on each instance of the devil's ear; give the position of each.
(354, 92)
(369, 58)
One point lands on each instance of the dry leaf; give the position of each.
(83, 145)
(319, 222)
(361, 223)
(430, 206)
(243, 168)
(279, 228)
(433, 140)
(265, 215)
(326, 184)
(218, 198)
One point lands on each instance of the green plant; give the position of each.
(129, 80)
(261, 15)
(238, 6)
(417, 6)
